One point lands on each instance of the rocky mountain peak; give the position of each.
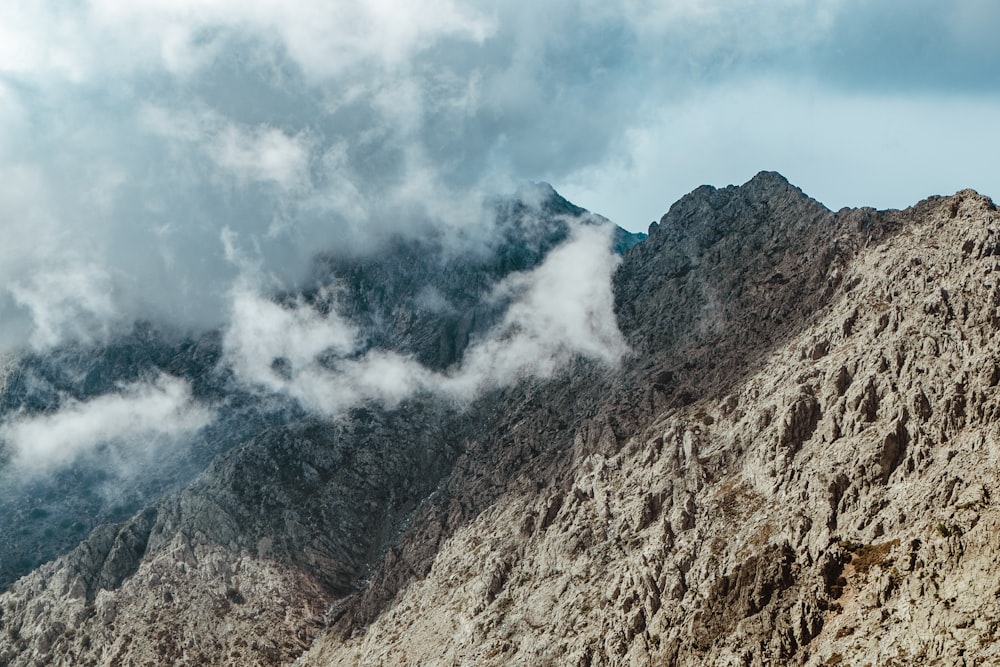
(702, 202)
(794, 465)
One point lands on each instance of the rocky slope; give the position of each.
(419, 297)
(324, 496)
(796, 465)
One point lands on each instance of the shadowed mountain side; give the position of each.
(391, 294)
(422, 298)
(326, 510)
(677, 293)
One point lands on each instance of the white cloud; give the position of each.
(131, 423)
(297, 350)
(561, 309)
(269, 344)
(262, 154)
(133, 132)
(73, 302)
(325, 38)
(248, 153)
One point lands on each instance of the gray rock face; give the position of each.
(795, 466)
(324, 496)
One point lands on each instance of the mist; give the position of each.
(121, 428)
(559, 310)
(134, 134)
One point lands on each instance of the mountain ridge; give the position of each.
(393, 317)
(731, 494)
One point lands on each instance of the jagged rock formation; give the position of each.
(797, 465)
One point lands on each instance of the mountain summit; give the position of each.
(793, 464)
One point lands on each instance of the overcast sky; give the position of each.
(145, 144)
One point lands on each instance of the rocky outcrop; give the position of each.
(795, 466)
(45, 516)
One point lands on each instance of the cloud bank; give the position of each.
(134, 133)
(121, 428)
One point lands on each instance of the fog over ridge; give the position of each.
(560, 309)
(133, 422)
(307, 350)
(135, 133)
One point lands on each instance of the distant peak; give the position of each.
(542, 196)
(536, 189)
(975, 198)
(767, 177)
(707, 212)
(768, 181)
(763, 186)
(965, 202)
(767, 184)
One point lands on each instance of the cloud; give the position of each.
(559, 310)
(914, 46)
(262, 154)
(249, 154)
(271, 343)
(323, 37)
(72, 300)
(128, 425)
(133, 133)
(296, 350)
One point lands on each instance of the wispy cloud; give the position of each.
(126, 425)
(563, 308)
(249, 154)
(134, 132)
(559, 310)
(71, 300)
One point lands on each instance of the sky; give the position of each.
(859, 104)
(151, 151)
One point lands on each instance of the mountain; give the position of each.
(383, 293)
(794, 464)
